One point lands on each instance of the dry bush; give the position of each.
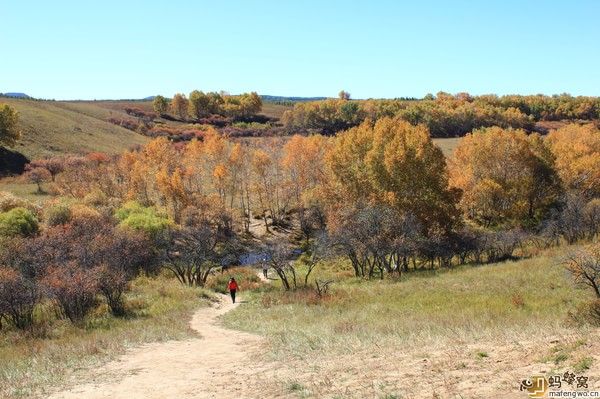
(584, 266)
(58, 215)
(112, 283)
(587, 313)
(18, 297)
(9, 201)
(73, 288)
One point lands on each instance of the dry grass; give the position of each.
(447, 145)
(52, 353)
(273, 110)
(55, 128)
(28, 191)
(509, 300)
(474, 331)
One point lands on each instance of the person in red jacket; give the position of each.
(233, 287)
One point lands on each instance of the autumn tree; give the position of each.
(160, 105)
(344, 95)
(196, 248)
(392, 163)
(506, 176)
(9, 129)
(270, 186)
(38, 176)
(303, 161)
(55, 165)
(179, 106)
(577, 152)
(203, 104)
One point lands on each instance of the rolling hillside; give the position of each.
(54, 128)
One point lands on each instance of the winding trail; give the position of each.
(219, 364)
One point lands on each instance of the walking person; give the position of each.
(265, 270)
(233, 287)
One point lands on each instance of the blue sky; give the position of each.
(133, 49)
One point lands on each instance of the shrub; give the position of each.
(18, 222)
(584, 266)
(95, 198)
(10, 201)
(18, 297)
(140, 218)
(57, 215)
(587, 313)
(73, 288)
(112, 283)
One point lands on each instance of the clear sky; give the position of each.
(133, 49)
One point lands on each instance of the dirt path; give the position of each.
(212, 366)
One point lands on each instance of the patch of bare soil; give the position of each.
(218, 364)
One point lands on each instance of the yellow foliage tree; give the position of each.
(505, 176)
(393, 163)
(577, 152)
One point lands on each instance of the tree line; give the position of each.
(380, 194)
(445, 115)
(200, 105)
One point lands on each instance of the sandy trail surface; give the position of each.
(215, 365)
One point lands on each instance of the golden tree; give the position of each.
(395, 164)
(179, 106)
(505, 176)
(577, 152)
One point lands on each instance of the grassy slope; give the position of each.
(500, 301)
(433, 334)
(54, 128)
(160, 309)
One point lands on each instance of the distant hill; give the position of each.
(267, 98)
(14, 95)
(56, 127)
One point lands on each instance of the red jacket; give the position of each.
(232, 286)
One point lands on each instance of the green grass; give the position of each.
(465, 304)
(55, 128)
(583, 364)
(159, 310)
